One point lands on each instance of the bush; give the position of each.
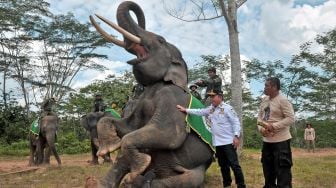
(68, 143)
(20, 148)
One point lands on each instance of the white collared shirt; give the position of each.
(224, 122)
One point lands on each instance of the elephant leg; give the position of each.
(187, 179)
(47, 153)
(116, 173)
(52, 148)
(94, 150)
(148, 137)
(32, 155)
(39, 152)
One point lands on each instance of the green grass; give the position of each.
(312, 171)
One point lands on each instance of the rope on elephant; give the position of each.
(35, 128)
(113, 113)
(199, 124)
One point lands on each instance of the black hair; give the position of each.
(274, 81)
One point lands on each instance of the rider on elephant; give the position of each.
(47, 107)
(213, 83)
(98, 104)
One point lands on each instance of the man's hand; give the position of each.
(269, 127)
(266, 132)
(236, 142)
(181, 108)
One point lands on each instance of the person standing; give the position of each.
(277, 115)
(214, 82)
(98, 103)
(194, 92)
(225, 129)
(309, 136)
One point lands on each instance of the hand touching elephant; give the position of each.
(154, 138)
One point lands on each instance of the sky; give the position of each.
(268, 30)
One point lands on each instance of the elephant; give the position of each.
(89, 122)
(157, 148)
(42, 145)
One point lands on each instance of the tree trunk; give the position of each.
(236, 80)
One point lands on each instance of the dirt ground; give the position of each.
(11, 165)
(19, 165)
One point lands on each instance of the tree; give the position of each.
(226, 9)
(67, 47)
(19, 22)
(321, 96)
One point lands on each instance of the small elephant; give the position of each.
(156, 148)
(89, 122)
(43, 144)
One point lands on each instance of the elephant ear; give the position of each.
(177, 71)
(84, 122)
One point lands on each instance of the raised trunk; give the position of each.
(126, 21)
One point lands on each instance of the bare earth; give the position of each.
(19, 165)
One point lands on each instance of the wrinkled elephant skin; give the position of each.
(156, 149)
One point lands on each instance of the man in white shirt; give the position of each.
(225, 129)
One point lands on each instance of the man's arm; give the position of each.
(199, 112)
(288, 113)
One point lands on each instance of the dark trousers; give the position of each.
(277, 162)
(227, 157)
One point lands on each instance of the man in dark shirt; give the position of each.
(98, 104)
(214, 82)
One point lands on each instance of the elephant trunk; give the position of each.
(51, 143)
(126, 21)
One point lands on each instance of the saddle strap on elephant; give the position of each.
(113, 113)
(199, 123)
(35, 128)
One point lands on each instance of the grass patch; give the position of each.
(309, 171)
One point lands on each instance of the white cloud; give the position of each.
(278, 28)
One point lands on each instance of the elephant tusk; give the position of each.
(106, 35)
(125, 33)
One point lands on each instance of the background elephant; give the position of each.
(154, 141)
(42, 145)
(89, 122)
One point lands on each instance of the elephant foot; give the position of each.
(138, 167)
(93, 162)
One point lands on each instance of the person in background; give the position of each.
(277, 115)
(194, 92)
(309, 137)
(98, 103)
(225, 129)
(214, 82)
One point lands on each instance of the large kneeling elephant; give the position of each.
(156, 145)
